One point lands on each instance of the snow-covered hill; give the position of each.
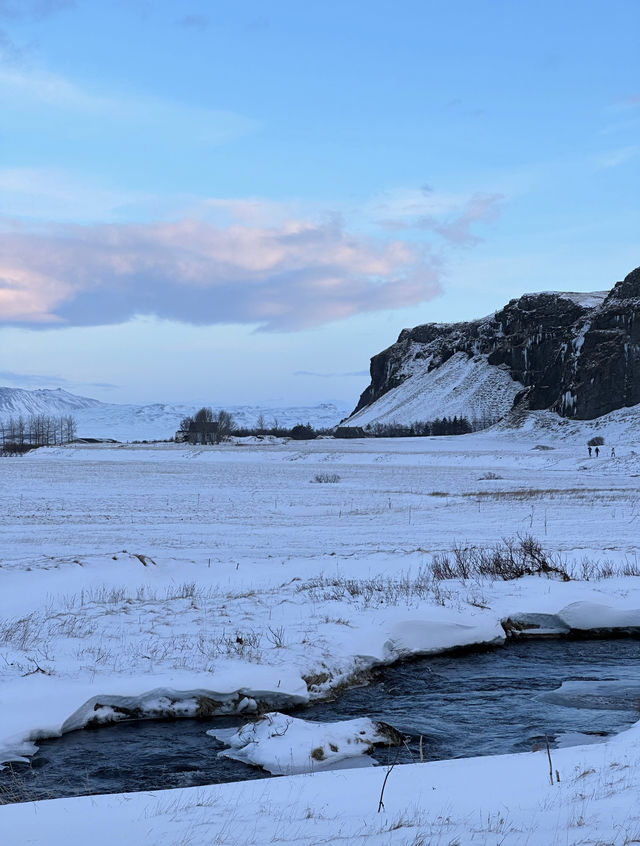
(156, 421)
(16, 401)
(462, 387)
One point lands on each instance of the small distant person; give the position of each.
(597, 451)
(589, 452)
(613, 452)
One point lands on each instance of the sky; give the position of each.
(240, 202)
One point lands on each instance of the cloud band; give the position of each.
(285, 278)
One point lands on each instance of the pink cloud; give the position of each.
(286, 277)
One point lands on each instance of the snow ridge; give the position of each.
(19, 401)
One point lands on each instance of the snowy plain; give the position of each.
(167, 579)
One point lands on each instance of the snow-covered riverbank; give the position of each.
(171, 580)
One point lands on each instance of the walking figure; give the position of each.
(597, 451)
(613, 452)
(589, 452)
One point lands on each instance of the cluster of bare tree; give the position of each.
(218, 426)
(37, 430)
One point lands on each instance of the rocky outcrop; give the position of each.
(576, 354)
(607, 369)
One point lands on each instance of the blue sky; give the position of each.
(240, 201)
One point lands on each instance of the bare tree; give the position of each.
(20, 427)
(70, 428)
(226, 425)
(204, 415)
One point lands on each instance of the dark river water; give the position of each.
(475, 703)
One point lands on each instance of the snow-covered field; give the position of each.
(179, 580)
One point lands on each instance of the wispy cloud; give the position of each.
(623, 117)
(284, 278)
(57, 195)
(449, 215)
(614, 158)
(25, 93)
(457, 228)
(20, 10)
(460, 107)
(63, 196)
(194, 21)
(258, 24)
(10, 53)
(630, 102)
(38, 380)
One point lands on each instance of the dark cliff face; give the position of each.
(574, 355)
(607, 374)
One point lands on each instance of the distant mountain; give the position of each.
(156, 421)
(572, 353)
(16, 401)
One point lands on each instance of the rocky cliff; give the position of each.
(576, 354)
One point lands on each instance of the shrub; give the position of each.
(426, 428)
(326, 478)
(303, 432)
(16, 449)
(510, 559)
(597, 441)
